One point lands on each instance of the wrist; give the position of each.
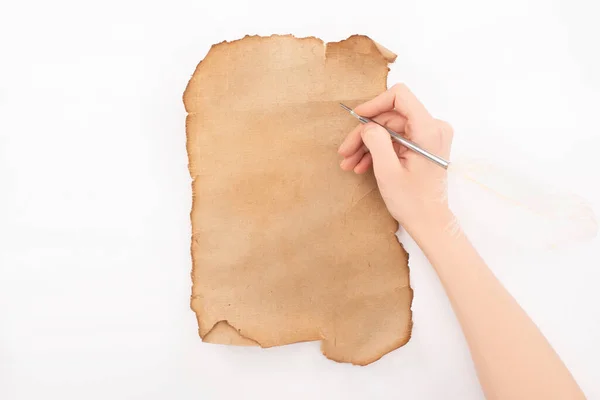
(429, 220)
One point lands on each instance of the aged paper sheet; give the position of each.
(286, 246)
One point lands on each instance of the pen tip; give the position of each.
(345, 107)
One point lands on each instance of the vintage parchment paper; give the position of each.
(286, 247)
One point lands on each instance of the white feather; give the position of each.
(514, 208)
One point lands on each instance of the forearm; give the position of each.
(512, 357)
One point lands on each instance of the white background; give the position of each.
(95, 192)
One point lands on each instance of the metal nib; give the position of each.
(345, 107)
(355, 115)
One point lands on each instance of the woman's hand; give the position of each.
(411, 186)
(512, 357)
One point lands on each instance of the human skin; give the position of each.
(512, 357)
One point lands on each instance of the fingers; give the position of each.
(353, 141)
(386, 164)
(399, 110)
(366, 160)
(364, 164)
(400, 98)
(352, 161)
(392, 120)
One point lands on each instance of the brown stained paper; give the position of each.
(286, 246)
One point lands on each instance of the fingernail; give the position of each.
(344, 164)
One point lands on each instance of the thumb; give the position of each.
(386, 164)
